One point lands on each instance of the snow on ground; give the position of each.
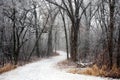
(45, 70)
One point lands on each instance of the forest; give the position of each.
(84, 33)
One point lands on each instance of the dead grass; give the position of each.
(114, 72)
(96, 71)
(74, 71)
(55, 54)
(66, 64)
(7, 67)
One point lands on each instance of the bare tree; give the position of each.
(65, 29)
(72, 8)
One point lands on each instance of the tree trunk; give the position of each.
(50, 49)
(66, 36)
(36, 28)
(111, 30)
(118, 50)
(74, 41)
(15, 54)
(86, 46)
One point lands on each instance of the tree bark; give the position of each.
(50, 47)
(15, 54)
(118, 50)
(110, 31)
(74, 41)
(66, 36)
(36, 29)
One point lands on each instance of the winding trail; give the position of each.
(45, 70)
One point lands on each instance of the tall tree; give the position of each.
(111, 27)
(118, 48)
(36, 28)
(66, 35)
(72, 8)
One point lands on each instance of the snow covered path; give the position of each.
(45, 70)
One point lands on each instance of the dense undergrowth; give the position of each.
(93, 70)
(96, 71)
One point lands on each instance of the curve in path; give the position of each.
(44, 70)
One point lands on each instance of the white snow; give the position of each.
(45, 70)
